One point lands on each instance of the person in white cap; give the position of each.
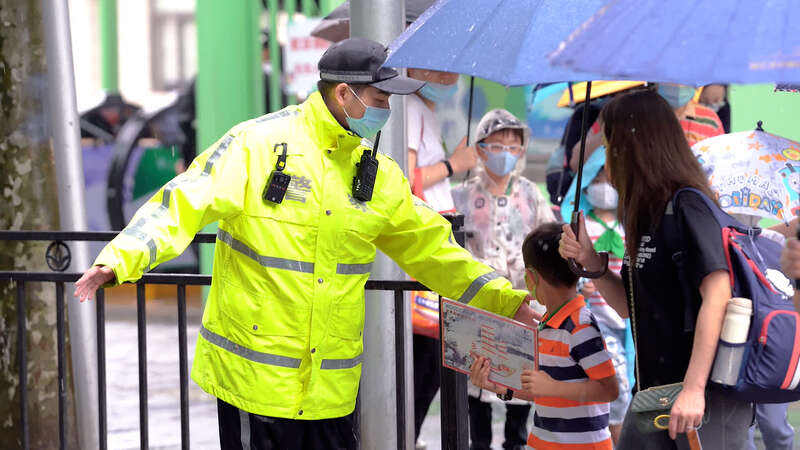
(500, 208)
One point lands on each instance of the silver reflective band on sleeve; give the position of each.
(341, 363)
(136, 231)
(217, 153)
(476, 286)
(266, 261)
(244, 352)
(353, 269)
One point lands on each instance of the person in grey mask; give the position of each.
(500, 208)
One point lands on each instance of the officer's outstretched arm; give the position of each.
(422, 243)
(211, 189)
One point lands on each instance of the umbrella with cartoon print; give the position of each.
(753, 172)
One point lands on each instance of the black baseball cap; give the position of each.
(360, 61)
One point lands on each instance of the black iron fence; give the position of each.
(454, 423)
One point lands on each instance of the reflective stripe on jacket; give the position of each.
(281, 333)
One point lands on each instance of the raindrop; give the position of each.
(471, 27)
(633, 130)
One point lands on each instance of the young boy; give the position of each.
(576, 377)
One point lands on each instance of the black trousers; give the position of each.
(427, 370)
(241, 430)
(480, 425)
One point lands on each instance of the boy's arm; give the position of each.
(587, 349)
(537, 383)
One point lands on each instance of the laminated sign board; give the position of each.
(302, 53)
(469, 332)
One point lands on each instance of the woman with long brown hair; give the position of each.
(674, 292)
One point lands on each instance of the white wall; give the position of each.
(133, 28)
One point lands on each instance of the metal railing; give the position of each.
(454, 424)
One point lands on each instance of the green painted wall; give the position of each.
(109, 47)
(780, 111)
(229, 87)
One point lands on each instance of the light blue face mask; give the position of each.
(437, 92)
(371, 122)
(501, 163)
(677, 95)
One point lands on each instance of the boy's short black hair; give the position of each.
(540, 252)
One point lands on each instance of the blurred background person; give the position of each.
(697, 121)
(715, 97)
(500, 208)
(429, 172)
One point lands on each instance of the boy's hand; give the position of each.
(536, 382)
(479, 376)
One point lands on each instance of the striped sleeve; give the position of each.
(588, 350)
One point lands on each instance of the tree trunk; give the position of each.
(28, 201)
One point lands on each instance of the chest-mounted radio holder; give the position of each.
(366, 172)
(278, 181)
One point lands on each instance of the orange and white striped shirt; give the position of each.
(571, 349)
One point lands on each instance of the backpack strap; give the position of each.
(722, 217)
(674, 234)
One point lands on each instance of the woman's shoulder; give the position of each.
(694, 201)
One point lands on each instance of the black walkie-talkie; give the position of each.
(366, 172)
(278, 181)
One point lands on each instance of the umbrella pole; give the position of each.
(584, 126)
(469, 115)
(574, 223)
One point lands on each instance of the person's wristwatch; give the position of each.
(449, 168)
(507, 396)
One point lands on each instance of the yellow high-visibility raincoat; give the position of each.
(281, 332)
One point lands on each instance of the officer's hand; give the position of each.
(463, 157)
(526, 314)
(95, 277)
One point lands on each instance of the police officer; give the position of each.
(280, 344)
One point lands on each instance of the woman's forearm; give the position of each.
(612, 289)
(715, 291)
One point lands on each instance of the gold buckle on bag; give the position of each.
(658, 419)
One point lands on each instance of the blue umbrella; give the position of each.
(688, 41)
(505, 41)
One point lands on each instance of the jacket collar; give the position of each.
(324, 129)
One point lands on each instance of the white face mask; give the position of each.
(602, 196)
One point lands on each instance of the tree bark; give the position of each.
(28, 201)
